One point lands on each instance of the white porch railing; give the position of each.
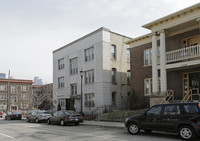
(182, 54)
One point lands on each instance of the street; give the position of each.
(17, 130)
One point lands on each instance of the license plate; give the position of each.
(76, 119)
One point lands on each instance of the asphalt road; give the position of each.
(15, 130)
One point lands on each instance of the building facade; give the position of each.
(105, 61)
(15, 94)
(166, 62)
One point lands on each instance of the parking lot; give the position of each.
(20, 130)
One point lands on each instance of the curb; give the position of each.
(103, 126)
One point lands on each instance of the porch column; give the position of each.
(154, 64)
(163, 72)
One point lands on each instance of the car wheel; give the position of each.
(27, 119)
(76, 124)
(186, 132)
(48, 121)
(5, 118)
(62, 123)
(133, 128)
(36, 120)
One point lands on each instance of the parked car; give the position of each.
(65, 116)
(13, 115)
(181, 118)
(1, 114)
(38, 116)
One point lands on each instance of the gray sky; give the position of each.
(31, 29)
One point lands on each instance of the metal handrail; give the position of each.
(169, 95)
(190, 94)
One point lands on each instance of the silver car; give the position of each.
(38, 116)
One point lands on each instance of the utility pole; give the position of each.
(7, 109)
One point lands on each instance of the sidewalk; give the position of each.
(104, 124)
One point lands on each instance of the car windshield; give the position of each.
(71, 112)
(15, 112)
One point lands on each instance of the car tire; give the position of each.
(48, 121)
(62, 123)
(186, 132)
(5, 118)
(133, 128)
(36, 120)
(27, 119)
(76, 124)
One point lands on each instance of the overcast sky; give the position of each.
(31, 29)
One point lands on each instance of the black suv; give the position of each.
(182, 118)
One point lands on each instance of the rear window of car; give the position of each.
(191, 108)
(171, 110)
(71, 112)
(16, 113)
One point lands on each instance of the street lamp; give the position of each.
(81, 74)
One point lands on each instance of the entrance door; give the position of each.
(190, 80)
(13, 108)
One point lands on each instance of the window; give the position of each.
(89, 77)
(13, 99)
(61, 82)
(89, 100)
(2, 96)
(24, 88)
(73, 89)
(61, 64)
(191, 108)
(148, 86)
(171, 110)
(89, 54)
(148, 57)
(156, 110)
(113, 51)
(114, 75)
(62, 103)
(128, 55)
(24, 105)
(2, 105)
(114, 98)
(13, 90)
(2, 87)
(128, 77)
(25, 97)
(73, 66)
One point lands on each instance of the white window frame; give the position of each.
(89, 76)
(89, 100)
(24, 88)
(61, 64)
(149, 57)
(3, 96)
(13, 99)
(24, 96)
(89, 54)
(113, 51)
(128, 55)
(149, 86)
(114, 75)
(24, 105)
(3, 87)
(74, 66)
(3, 105)
(61, 82)
(13, 89)
(74, 89)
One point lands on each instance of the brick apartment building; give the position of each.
(15, 93)
(165, 64)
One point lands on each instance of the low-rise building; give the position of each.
(165, 64)
(15, 94)
(104, 60)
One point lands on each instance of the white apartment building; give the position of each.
(104, 59)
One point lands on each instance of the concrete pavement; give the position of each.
(119, 125)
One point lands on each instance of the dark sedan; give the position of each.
(13, 115)
(65, 116)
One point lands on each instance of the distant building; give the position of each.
(37, 81)
(2, 75)
(104, 59)
(18, 92)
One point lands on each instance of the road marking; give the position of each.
(7, 136)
